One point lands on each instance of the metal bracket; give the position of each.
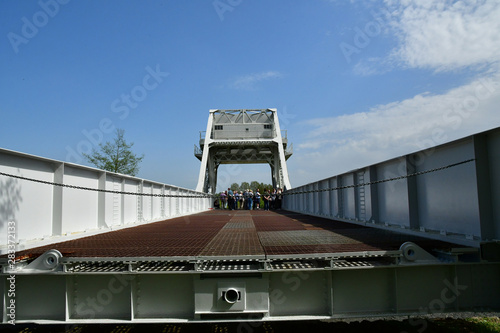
(414, 254)
(49, 261)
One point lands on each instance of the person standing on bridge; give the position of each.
(223, 200)
(257, 199)
(250, 199)
(236, 199)
(245, 200)
(230, 199)
(242, 200)
(279, 198)
(273, 199)
(266, 199)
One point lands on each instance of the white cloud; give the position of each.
(249, 82)
(371, 66)
(339, 144)
(441, 35)
(445, 34)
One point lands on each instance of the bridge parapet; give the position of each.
(450, 192)
(49, 200)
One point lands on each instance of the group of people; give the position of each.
(248, 199)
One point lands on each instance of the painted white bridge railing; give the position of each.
(450, 192)
(42, 211)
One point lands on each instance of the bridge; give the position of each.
(414, 235)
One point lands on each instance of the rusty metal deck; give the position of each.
(273, 265)
(220, 233)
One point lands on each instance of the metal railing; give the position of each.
(284, 134)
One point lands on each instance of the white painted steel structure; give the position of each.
(45, 214)
(459, 204)
(242, 136)
(407, 282)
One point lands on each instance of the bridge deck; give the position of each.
(221, 233)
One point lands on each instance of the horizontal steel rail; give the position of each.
(406, 282)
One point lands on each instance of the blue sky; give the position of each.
(354, 82)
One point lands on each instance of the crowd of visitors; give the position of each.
(248, 199)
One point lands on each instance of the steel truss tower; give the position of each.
(242, 137)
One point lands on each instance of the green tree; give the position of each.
(116, 156)
(244, 186)
(235, 187)
(254, 185)
(263, 187)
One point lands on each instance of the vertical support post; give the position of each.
(374, 195)
(122, 206)
(170, 202)
(67, 297)
(162, 212)
(101, 201)
(201, 187)
(273, 177)
(323, 198)
(57, 201)
(182, 202)
(331, 293)
(307, 199)
(357, 195)
(483, 181)
(177, 202)
(283, 180)
(214, 185)
(331, 199)
(140, 201)
(152, 201)
(340, 197)
(411, 183)
(316, 198)
(212, 177)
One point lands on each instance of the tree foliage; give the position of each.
(116, 156)
(254, 186)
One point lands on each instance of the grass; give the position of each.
(468, 325)
(475, 324)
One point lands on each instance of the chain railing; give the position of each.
(207, 195)
(293, 192)
(201, 195)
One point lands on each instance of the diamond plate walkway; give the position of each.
(220, 233)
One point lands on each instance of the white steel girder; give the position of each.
(450, 192)
(408, 282)
(242, 136)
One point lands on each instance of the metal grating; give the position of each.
(248, 224)
(303, 237)
(235, 233)
(344, 264)
(229, 266)
(98, 267)
(164, 266)
(285, 265)
(275, 222)
(329, 249)
(234, 242)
